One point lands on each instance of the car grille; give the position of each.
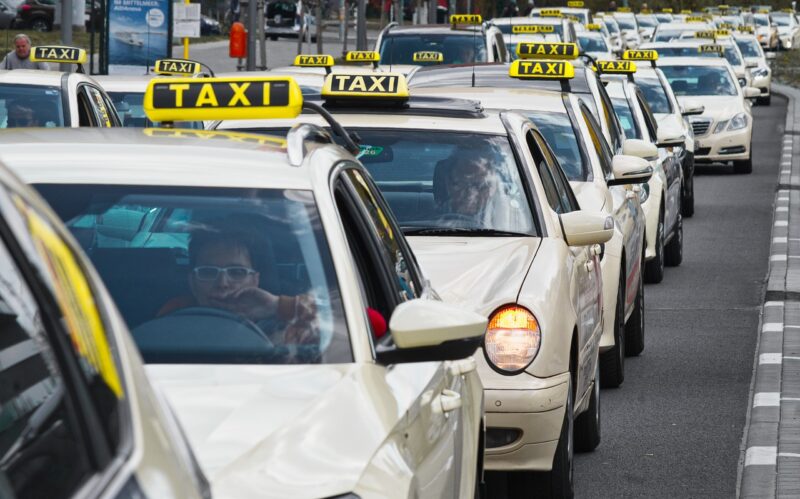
(703, 151)
(700, 127)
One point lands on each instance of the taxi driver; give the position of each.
(465, 186)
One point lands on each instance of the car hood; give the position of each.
(480, 273)
(589, 196)
(721, 107)
(279, 431)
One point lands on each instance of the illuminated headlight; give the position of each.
(738, 122)
(760, 72)
(720, 126)
(512, 339)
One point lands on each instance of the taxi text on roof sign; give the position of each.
(594, 27)
(532, 28)
(575, 4)
(686, 12)
(710, 49)
(542, 70)
(667, 10)
(550, 13)
(547, 50)
(427, 56)
(706, 34)
(471, 19)
(362, 56)
(640, 55)
(744, 28)
(176, 67)
(623, 9)
(695, 19)
(57, 53)
(726, 26)
(192, 99)
(314, 61)
(721, 33)
(617, 67)
(377, 85)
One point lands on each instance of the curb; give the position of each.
(769, 463)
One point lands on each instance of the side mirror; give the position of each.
(666, 137)
(430, 330)
(692, 108)
(585, 228)
(640, 149)
(751, 92)
(630, 170)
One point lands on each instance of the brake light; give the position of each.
(24, 7)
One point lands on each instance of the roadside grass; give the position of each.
(786, 67)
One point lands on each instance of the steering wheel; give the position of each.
(223, 314)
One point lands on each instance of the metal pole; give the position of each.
(262, 38)
(319, 26)
(346, 23)
(342, 19)
(185, 39)
(252, 32)
(66, 22)
(361, 27)
(432, 4)
(302, 31)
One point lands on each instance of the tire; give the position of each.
(634, 328)
(744, 166)
(687, 196)
(654, 269)
(673, 251)
(39, 24)
(612, 362)
(587, 425)
(556, 483)
(273, 38)
(764, 101)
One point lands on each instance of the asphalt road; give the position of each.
(675, 426)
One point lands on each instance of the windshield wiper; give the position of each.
(460, 231)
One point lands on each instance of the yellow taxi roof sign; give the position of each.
(721, 33)
(58, 53)
(727, 26)
(711, 49)
(575, 4)
(541, 70)
(710, 35)
(788, 10)
(724, 6)
(624, 9)
(428, 56)
(616, 67)
(667, 10)
(366, 86)
(695, 19)
(594, 27)
(532, 28)
(183, 67)
(640, 55)
(547, 50)
(470, 19)
(745, 28)
(686, 12)
(313, 61)
(362, 56)
(235, 98)
(550, 13)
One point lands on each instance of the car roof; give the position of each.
(492, 74)
(693, 61)
(32, 77)
(124, 83)
(498, 97)
(684, 26)
(440, 29)
(528, 20)
(131, 156)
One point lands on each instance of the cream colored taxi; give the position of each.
(278, 306)
(53, 99)
(723, 132)
(495, 223)
(518, 30)
(756, 61)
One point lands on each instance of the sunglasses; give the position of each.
(211, 273)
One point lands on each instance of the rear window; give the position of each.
(30, 106)
(130, 108)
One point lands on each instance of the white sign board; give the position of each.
(186, 20)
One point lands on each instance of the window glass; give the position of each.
(220, 276)
(560, 182)
(700, 80)
(749, 47)
(626, 118)
(563, 140)
(647, 21)
(598, 142)
(102, 112)
(130, 107)
(387, 236)
(649, 120)
(456, 48)
(611, 26)
(626, 22)
(450, 182)
(655, 94)
(761, 20)
(592, 42)
(732, 55)
(30, 106)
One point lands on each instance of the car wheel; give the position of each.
(273, 38)
(558, 481)
(612, 362)
(744, 166)
(634, 328)
(40, 24)
(764, 101)
(687, 197)
(673, 252)
(654, 269)
(587, 425)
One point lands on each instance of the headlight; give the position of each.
(720, 126)
(512, 339)
(760, 72)
(738, 122)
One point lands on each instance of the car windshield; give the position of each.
(749, 48)
(558, 29)
(625, 116)
(664, 18)
(30, 106)
(448, 182)
(647, 21)
(563, 140)
(457, 49)
(655, 95)
(693, 51)
(612, 26)
(130, 108)
(780, 20)
(212, 275)
(592, 43)
(626, 22)
(732, 55)
(761, 20)
(700, 80)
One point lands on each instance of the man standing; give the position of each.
(19, 58)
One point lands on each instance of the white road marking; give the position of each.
(788, 454)
(789, 357)
(777, 258)
(781, 223)
(767, 399)
(772, 327)
(770, 358)
(757, 455)
(780, 240)
(774, 304)
(782, 208)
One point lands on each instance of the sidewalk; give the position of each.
(770, 454)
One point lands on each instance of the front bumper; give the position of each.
(723, 146)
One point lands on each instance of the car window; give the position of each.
(236, 276)
(86, 114)
(749, 47)
(626, 118)
(655, 94)
(610, 118)
(456, 48)
(30, 106)
(548, 162)
(501, 47)
(700, 80)
(649, 120)
(598, 142)
(563, 140)
(130, 108)
(101, 111)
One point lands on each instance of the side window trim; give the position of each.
(562, 183)
(591, 124)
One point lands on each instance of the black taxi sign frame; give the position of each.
(207, 99)
(365, 86)
(363, 56)
(61, 54)
(466, 19)
(640, 55)
(519, 29)
(428, 56)
(181, 67)
(616, 67)
(548, 50)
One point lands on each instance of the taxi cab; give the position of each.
(52, 99)
(525, 29)
(716, 43)
(756, 60)
(724, 130)
(278, 306)
(466, 185)
(68, 365)
(594, 43)
(676, 31)
(575, 10)
(788, 28)
(574, 136)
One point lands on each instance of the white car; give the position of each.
(594, 44)
(677, 30)
(526, 29)
(631, 37)
(756, 61)
(647, 26)
(765, 30)
(699, 47)
(788, 29)
(724, 130)
(278, 306)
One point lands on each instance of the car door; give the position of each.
(434, 439)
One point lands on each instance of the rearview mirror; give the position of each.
(640, 149)
(427, 330)
(630, 170)
(667, 137)
(584, 228)
(692, 108)
(751, 92)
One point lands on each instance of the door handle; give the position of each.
(596, 249)
(447, 401)
(463, 366)
(589, 266)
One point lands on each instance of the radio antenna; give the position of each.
(474, 54)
